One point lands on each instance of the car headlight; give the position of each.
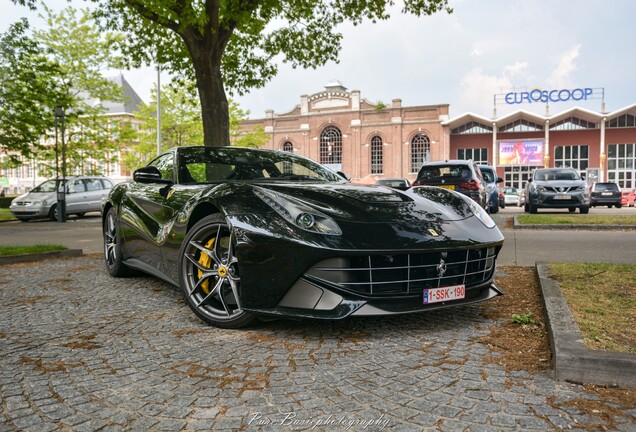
(298, 213)
(539, 189)
(478, 211)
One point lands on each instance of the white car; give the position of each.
(82, 194)
(511, 196)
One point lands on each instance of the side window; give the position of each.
(93, 185)
(165, 165)
(107, 184)
(76, 186)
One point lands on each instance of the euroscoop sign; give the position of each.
(546, 96)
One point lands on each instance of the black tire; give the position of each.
(619, 205)
(23, 219)
(53, 213)
(526, 208)
(113, 256)
(207, 258)
(609, 206)
(532, 208)
(494, 209)
(584, 209)
(80, 215)
(572, 209)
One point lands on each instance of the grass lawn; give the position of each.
(576, 219)
(20, 250)
(602, 298)
(5, 214)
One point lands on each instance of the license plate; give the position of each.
(562, 197)
(607, 193)
(451, 187)
(449, 293)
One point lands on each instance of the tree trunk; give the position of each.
(214, 105)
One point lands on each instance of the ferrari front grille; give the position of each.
(406, 274)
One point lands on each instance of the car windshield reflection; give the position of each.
(212, 165)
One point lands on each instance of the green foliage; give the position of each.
(21, 250)
(235, 45)
(180, 123)
(28, 92)
(523, 318)
(60, 66)
(245, 138)
(379, 105)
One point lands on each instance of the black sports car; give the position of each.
(247, 233)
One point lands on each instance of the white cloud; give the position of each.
(561, 75)
(477, 89)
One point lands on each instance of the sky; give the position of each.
(463, 59)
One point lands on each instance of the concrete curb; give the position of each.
(572, 361)
(586, 227)
(17, 259)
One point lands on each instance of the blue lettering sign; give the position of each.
(544, 96)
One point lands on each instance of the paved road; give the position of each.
(525, 247)
(85, 352)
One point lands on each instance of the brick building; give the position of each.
(341, 129)
(369, 141)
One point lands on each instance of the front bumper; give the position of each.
(29, 212)
(557, 200)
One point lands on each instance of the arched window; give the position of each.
(288, 147)
(420, 151)
(376, 155)
(331, 146)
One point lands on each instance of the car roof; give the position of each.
(449, 162)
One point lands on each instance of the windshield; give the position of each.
(213, 164)
(556, 174)
(47, 186)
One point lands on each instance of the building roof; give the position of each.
(131, 102)
(582, 113)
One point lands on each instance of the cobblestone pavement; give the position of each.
(82, 351)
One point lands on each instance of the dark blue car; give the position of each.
(490, 177)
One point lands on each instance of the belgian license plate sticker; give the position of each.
(442, 294)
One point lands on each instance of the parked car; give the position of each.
(605, 194)
(395, 183)
(522, 197)
(511, 196)
(556, 188)
(249, 232)
(490, 176)
(83, 194)
(628, 197)
(462, 176)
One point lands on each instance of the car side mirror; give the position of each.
(500, 180)
(530, 180)
(149, 174)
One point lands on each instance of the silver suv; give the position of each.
(557, 188)
(83, 194)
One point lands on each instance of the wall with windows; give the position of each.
(573, 139)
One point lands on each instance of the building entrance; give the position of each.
(517, 175)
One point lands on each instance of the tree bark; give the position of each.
(214, 105)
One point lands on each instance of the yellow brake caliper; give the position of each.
(206, 261)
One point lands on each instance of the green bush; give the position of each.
(5, 202)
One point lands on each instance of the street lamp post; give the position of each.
(61, 191)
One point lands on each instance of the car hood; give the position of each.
(36, 196)
(371, 203)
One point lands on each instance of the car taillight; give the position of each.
(470, 185)
(417, 183)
